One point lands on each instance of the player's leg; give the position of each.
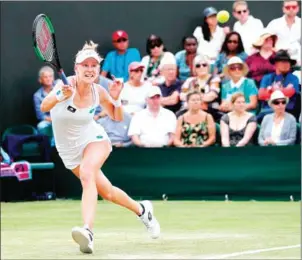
(144, 209)
(94, 156)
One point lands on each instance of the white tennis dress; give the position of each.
(74, 128)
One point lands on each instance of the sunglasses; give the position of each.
(121, 40)
(137, 70)
(233, 41)
(278, 102)
(241, 11)
(155, 45)
(236, 67)
(288, 7)
(201, 64)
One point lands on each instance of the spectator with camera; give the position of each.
(204, 83)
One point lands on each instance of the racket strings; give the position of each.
(44, 40)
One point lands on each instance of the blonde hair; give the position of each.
(236, 96)
(239, 2)
(89, 46)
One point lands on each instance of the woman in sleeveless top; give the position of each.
(84, 146)
(238, 126)
(206, 84)
(195, 128)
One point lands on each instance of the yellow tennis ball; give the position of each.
(223, 16)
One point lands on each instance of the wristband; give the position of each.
(116, 103)
(59, 95)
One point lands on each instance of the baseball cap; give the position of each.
(135, 65)
(85, 54)
(154, 90)
(209, 11)
(199, 59)
(119, 34)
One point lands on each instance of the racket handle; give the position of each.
(63, 77)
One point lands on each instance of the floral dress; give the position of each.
(195, 134)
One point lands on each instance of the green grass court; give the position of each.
(190, 230)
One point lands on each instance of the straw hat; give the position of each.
(277, 94)
(258, 44)
(235, 60)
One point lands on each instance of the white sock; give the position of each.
(86, 226)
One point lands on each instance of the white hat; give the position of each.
(85, 54)
(277, 94)
(235, 60)
(154, 90)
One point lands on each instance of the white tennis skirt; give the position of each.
(72, 157)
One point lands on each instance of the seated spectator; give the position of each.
(231, 47)
(117, 130)
(210, 35)
(104, 82)
(170, 89)
(154, 126)
(204, 83)
(237, 127)
(260, 62)
(288, 30)
(184, 58)
(156, 54)
(247, 26)
(195, 128)
(236, 70)
(46, 79)
(116, 62)
(278, 128)
(282, 79)
(135, 91)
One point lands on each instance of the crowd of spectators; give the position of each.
(244, 82)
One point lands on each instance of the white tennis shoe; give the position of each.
(149, 220)
(83, 237)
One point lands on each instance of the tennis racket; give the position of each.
(45, 44)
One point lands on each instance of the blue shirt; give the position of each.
(222, 60)
(117, 64)
(273, 78)
(39, 95)
(183, 69)
(247, 88)
(117, 130)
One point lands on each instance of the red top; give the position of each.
(259, 66)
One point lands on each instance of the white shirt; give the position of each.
(134, 98)
(153, 131)
(211, 48)
(288, 37)
(249, 32)
(276, 131)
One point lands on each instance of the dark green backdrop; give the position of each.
(76, 22)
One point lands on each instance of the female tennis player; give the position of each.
(84, 146)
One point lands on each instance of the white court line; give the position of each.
(252, 252)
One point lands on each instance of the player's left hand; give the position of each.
(115, 89)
